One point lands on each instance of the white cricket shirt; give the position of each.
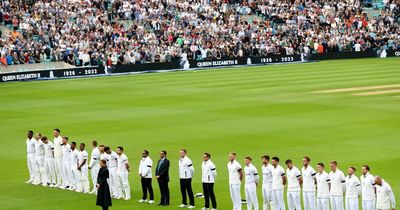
(323, 181)
(367, 187)
(234, 167)
(337, 183)
(308, 179)
(293, 176)
(277, 177)
(267, 173)
(251, 174)
(353, 186)
(57, 141)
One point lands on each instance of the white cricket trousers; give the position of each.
(309, 200)
(83, 185)
(31, 166)
(235, 196)
(368, 205)
(251, 196)
(66, 173)
(351, 203)
(94, 172)
(58, 161)
(293, 198)
(337, 203)
(267, 196)
(279, 202)
(39, 169)
(113, 180)
(49, 170)
(123, 187)
(323, 203)
(74, 176)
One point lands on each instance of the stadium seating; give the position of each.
(152, 31)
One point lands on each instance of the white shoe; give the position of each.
(204, 208)
(29, 181)
(44, 184)
(127, 199)
(191, 207)
(182, 206)
(142, 201)
(213, 209)
(35, 183)
(150, 202)
(117, 197)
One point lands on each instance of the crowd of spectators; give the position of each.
(105, 32)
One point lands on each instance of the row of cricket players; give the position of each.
(320, 190)
(60, 164)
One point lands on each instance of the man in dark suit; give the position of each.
(162, 175)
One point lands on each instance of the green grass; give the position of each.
(253, 111)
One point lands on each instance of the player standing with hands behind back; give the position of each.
(251, 184)
(235, 180)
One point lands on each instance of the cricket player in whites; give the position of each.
(294, 182)
(83, 184)
(49, 162)
(266, 170)
(278, 183)
(235, 180)
(94, 166)
(309, 181)
(123, 187)
(338, 186)
(66, 151)
(112, 162)
(252, 180)
(57, 141)
(367, 189)
(74, 167)
(323, 186)
(30, 149)
(39, 161)
(353, 189)
(384, 195)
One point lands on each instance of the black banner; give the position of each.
(144, 67)
(217, 63)
(49, 74)
(148, 67)
(393, 53)
(276, 59)
(245, 61)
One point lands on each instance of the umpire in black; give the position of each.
(162, 175)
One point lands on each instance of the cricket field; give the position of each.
(344, 110)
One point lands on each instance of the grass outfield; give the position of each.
(253, 111)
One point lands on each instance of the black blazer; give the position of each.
(163, 170)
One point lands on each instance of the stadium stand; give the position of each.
(91, 33)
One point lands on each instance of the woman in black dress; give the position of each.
(103, 190)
